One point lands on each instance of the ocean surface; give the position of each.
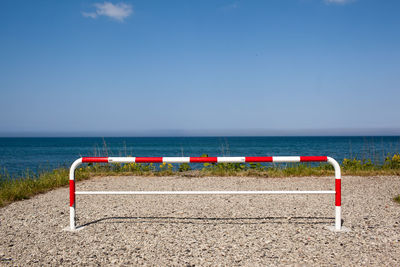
(43, 154)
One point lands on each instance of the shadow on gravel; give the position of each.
(207, 220)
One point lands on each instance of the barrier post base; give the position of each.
(332, 228)
(68, 229)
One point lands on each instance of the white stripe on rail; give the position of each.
(231, 159)
(176, 159)
(286, 159)
(121, 159)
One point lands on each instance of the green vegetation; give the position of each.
(397, 199)
(14, 189)
(32, 184)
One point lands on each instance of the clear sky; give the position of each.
(199, 67)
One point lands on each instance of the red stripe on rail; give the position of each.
(338, 189)
(95, 159)
(203, 159)
(313, 158)
(149, 160)
(71, 193)
(258, 159)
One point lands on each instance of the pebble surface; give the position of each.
(207, 230)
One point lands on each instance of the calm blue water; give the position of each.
(19, 154)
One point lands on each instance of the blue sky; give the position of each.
(199, 67)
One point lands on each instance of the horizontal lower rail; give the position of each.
(198, 192)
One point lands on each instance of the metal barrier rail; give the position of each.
(79, 161)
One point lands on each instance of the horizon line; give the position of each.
(211, 133)
(194, 136)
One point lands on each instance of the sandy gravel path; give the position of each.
(206, 230)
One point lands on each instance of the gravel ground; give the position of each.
(206, 230)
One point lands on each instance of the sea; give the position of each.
(19, 155)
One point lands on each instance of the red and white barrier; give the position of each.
(79, 161)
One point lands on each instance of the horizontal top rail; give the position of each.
(203, 159)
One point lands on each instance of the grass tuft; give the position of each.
(397, 199)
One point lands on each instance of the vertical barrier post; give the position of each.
(72, 199)
(338, 194)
